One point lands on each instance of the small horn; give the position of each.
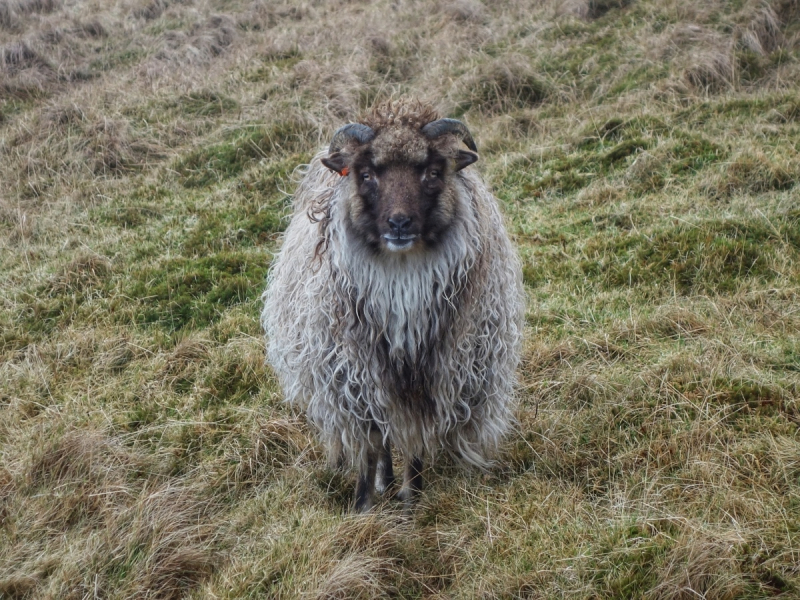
(352, 131)
(436, 129)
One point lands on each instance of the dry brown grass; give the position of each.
(763, 33)
(501, 86)
(89, 513)
(81, 273)
(712, 69)
(26, 73)
(589, 9)
(13, 11)
(701, 565)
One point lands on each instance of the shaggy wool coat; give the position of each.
(422, 345)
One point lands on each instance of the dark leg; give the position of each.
(365, 485)
(412, 479)
(385, 471)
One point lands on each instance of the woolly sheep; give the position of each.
(394, 308)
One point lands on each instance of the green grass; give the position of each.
(707, 257)
(227, 159)
(204, 104)
(193, 292)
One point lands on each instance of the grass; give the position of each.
(645, 154)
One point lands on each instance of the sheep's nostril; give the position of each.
(400, 224)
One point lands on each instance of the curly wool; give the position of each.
(422, 345)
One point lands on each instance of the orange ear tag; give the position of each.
(344, 171)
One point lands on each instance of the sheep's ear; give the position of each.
(464, 159)
(336, 162)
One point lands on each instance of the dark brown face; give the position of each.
(399, 206)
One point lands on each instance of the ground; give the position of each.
(646, 157)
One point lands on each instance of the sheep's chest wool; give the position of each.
(394, 309)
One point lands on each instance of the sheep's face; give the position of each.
(401, 205)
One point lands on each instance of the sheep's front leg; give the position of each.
(385, 479)
(365, 485)
(412, 479)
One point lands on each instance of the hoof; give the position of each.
(363, 503)
(407, 495)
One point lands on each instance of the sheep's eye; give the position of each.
(365, 176)
(435, 173)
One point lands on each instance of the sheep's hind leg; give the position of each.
(412, 480)
(385, 478)
(365, 485)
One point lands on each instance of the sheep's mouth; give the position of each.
(399, 243)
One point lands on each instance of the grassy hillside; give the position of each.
(646, 154)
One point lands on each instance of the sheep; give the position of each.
(393, 311)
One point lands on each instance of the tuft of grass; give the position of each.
(113, 148)
(151, 10)
(205, 104)
(712, 70)
(117, 355)
(500, 86)
(82, 273)
(26, 73)
(14, 12)
(234, 381)
(590, 9)
(466, 11)
(199, 45)
(692, 153)
(242, 149)
(751, 173)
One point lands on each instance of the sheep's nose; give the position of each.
(400, 224)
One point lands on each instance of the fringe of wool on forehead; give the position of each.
(424, 346)
(405, 112)
(398, 126)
